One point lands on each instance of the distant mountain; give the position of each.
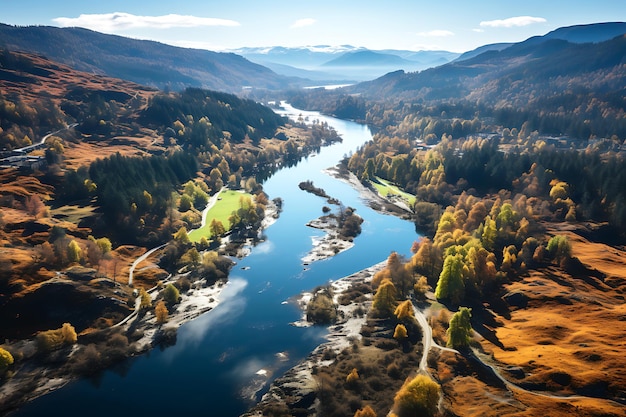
(144, 62)
(483, 49)
(515, 73)
(592, 33)
(344, 62)
(367, 58)
(306, 57)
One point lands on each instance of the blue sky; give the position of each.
(453, 25)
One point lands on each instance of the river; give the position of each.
(224, 360)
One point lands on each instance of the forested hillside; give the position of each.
(144, 62)
(553, 87)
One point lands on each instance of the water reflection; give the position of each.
(194, 332)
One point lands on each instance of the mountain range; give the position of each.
(145, 62)
(274, 68)
(343, 63)
(590, 56)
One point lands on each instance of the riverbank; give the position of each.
(36, 375)
(297, 388)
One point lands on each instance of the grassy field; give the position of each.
(385, 188)
(228, 201)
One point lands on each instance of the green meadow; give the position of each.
(228, 201)
(385, 188)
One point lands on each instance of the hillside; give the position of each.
(144, 62)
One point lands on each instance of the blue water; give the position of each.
(212, 369)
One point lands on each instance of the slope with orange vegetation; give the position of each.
(562, 335)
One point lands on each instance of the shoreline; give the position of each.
(31, 381)
(200, 299)
(298, 385)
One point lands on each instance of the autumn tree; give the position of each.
(401, 274)
(419, 397)
(74, 252)
(400, 333)
(421, 287)
(170, 294)
(181, 236)
(559, 248)
(160, 312)
(366, 411)
(460, 329)
(404, 311)
(450, 285)
(385, 299)
(6, 360)
(145, 301)
(216, 228)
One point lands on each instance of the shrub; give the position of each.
(321, 309)
(400, 332)
(417, 398)
(170, 294)
(6, 360)
(352, 377)
(366, 411)
(54, 339)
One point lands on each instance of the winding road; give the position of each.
(427, 340)
(429, 343)
(210, 204)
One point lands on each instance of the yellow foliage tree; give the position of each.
(74, 252)
(404, 311)
(400, 332)
(145, 299)
(6, 360)
(417, 398)
(353, 376)
(385, 298)
(160, 312)
(366, 411)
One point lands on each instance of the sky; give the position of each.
(451, 25)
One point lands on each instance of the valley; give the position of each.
(438, 234)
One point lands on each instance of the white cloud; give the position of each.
(300, 23)
(512, 22)
(478, 30)
(112, 22)
(436, 33)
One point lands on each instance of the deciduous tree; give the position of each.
(6, 360)
(385, 298)
(419, 397)
(460, 329)
(160, 312)
(170, 294)
(450, 285)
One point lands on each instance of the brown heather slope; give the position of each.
(565, 335)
